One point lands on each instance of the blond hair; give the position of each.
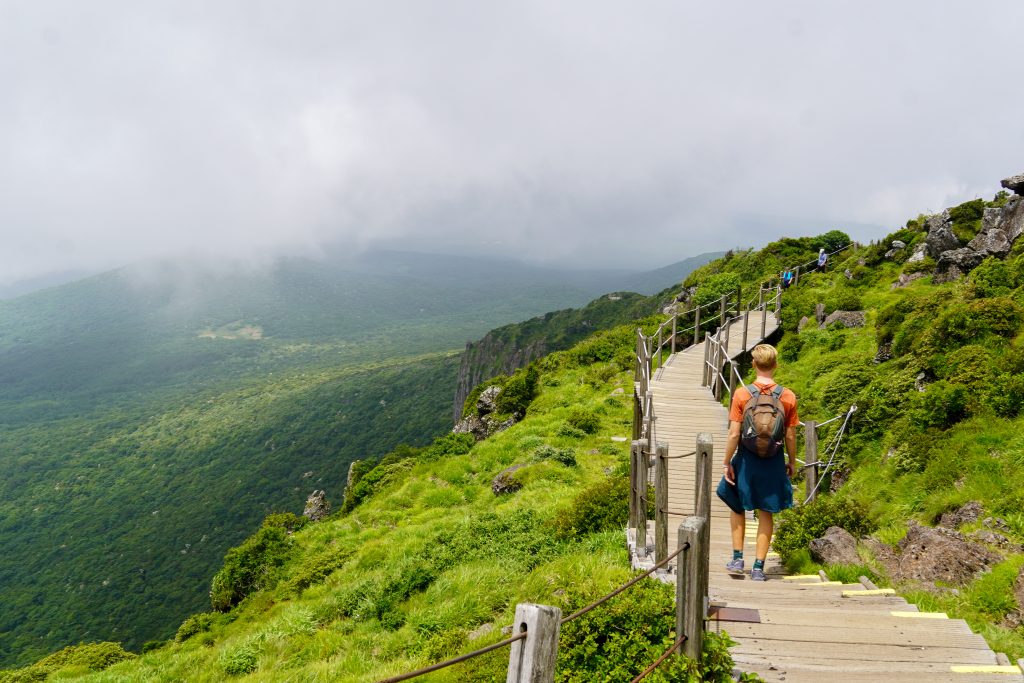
(765, 357)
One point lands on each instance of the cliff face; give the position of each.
(506, 349)
(489, 357)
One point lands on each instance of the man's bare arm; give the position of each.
(731, 444)
(791, 449)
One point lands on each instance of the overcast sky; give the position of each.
(591, 132)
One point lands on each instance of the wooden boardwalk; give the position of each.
(809, 632)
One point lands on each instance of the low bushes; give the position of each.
(798, 526)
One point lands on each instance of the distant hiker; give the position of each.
(762, 418)
(822, 259)
(787, 279)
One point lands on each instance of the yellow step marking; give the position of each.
(865, 593)
(984, 669)
(823, 583)
(772, 555)
(921, 615)
(801, 577)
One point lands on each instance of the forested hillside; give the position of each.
(149, 417)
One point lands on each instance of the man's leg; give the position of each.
(738, 524)
(765, 526)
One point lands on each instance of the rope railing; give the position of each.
(454, 660)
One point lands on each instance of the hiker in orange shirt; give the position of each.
(763, 415)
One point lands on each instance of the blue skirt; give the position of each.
(761, 483)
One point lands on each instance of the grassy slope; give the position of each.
(113, 407)
(504, 555)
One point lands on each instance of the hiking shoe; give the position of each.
(757, 575)
(734, 566)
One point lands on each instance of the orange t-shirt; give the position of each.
(742, 395)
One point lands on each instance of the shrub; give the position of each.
(715, 286)
(240, 659)
(249, 567)
(843, 385)
(600, 507)
(197, 623)
(843, 299)
(913, 452)
(289, 521)
(940, 405)
(584, 420)
(992, 278)
(967, 322)
(566, 456)
(568, 430)
(969, 365)
(798, 526)
(1006, 394)
(519, 391)
(832, 240)
(790, 347)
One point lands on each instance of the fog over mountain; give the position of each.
(554, 132)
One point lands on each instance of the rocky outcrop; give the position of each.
(903, 280)
(487, 403)
(489, 357)
(991, 242)
(968, 513)
(837, 546)
(506, 481)
(1011, 221)
(919, 253)
(1014, 183)
(317, 507)
(884, 352)
(482, 427)
(938, 554)
(956, 263)
(940, 235)
(845, 318)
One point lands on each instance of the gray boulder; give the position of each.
(487, 403)
(903, 280)
(898, 244)
(939, 554)
(991, 217)
(804, 322)
(940, 240)
(506, 481)
(991, 242)
(955, 263)
(919, 253)
(481, 427)
(1014, 183)
(968, 513)
(837, 546)
(317, 507)
(847, 318)
(884, 352)
(1012, 222)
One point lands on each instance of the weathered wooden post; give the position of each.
(721, 310)
(674, 317)
(691, 587)
(707, 357)
(661, 503)
(696, 325)
(746, 326)
(796, 276)
(732, 377)
(702, 494)
(778, 303)
(716, 364)
(638, 414)
(661, 347)
(725, 339)
(643, 463)
(811, 458)
(764, 316)
(532, 659)
(634, 491)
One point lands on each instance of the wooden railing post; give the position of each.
(796, 276)
(764, 318)
(532, 659)
(675, 316)
(638, 412)
(691, 586)
(716, 365)
(811, 458)
(661, 503)
(746, 325)
(707, 359)
(643, 463)
(778, 303)
(704, 468)
(732, 377)
(721, 310)
(661, 347)
(634, 491)
(696, 325)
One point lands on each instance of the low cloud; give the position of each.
(585, 132)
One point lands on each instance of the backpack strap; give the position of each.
(777, 391)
